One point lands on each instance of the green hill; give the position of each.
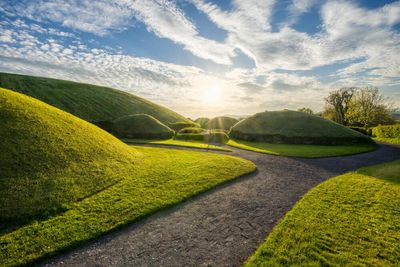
(293, 127)
(203, 122)
(50, 158)
(141, 126)
(222, 123)
(89, 102)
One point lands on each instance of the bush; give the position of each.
(192, 130)
(177, 126)
(366, 131)
(387, 131)
(215, 137)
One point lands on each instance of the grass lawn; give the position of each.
(161, 179)
(394, 141)
(305, 151)
(349, 220)
(172, 142)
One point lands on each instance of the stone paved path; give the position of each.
(224, 226)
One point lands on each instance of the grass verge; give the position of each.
(304, 151)
(349, 220)
(161, 179)
(394, 141)
(172, 142)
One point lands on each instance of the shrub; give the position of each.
(177, 126)
(141, 126)
(387, 131)
(191, 130)
(214, 137)
(366, 131)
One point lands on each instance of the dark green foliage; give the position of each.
(192, 130)
(89, 102)
(387, 131)
(214, 137)
(203, 122)
(293, 127)
(141, 126)
(366, 131)
(177, 126)
(222, 123)
(49, 159)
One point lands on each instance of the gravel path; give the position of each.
(223, 226)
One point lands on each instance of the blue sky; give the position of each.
(208, 58)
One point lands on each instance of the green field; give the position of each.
(304, 151)
(349, 220)
(65, 181)
(394, 141)
(89, 102)
(172, 142)
(293, 127)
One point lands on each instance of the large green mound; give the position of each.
(49, 158)
(141, 126)
(222, 123)
(86, 101)
(293, 127)
(203, 122)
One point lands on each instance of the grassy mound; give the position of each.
(203, 122)
(293, 127)
(194, 130)
(303, 151)
(141, 126)
(177, 126)
(349, 220)
(222, 123)
(86, 101)
(213, 137)
(49, 158)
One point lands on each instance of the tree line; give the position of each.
(354, 106)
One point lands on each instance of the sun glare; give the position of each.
(212, 96)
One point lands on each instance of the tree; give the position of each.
(306, 110)
(367, 108)
(337, 103)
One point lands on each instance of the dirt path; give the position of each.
(224, 226)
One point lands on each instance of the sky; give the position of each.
(209, 58)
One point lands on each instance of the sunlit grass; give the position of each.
(163, 178)
(395, 141)
(349, 220)
(172, 142)
(306, 151)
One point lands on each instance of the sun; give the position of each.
(212, 95)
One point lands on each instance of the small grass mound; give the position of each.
(222, 123)
(293, 127)
(49, 159)
(349, 220)
(213, 137)
(177, 126)
(86, 101)
(203, 122)
(303, 151)
(141, 126)
(194, 130)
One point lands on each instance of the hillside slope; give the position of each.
(296, 128)
(49, 158)
(89, 102)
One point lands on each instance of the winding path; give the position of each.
(223, 226)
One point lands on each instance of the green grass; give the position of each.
(305, 151)
(172, 142)
(162, 178)
(349, 220)
(141, 126)
(86, 101)
(394, 141)
(221, 123)
(296, 128)
(49, 158)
